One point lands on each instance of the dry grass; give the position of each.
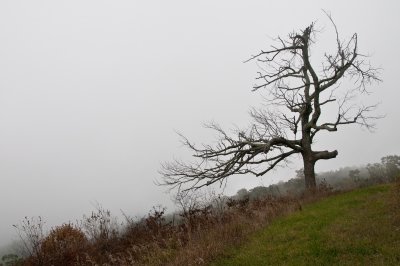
(203, 233)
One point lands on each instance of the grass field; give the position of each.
(361, 227)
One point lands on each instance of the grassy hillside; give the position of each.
(361, 227)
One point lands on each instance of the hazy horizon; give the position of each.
(93, 92)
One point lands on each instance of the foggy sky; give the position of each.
(92, 92)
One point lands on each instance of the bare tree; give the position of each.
(297, 94)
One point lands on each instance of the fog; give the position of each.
(93, 92)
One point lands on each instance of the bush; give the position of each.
(65, 245)
(10, 260)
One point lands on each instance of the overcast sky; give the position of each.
(92, 92)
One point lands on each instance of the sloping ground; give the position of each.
(361, 227)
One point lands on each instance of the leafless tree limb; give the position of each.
(298, 92)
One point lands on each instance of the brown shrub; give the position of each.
(200, 235)
(65, 245)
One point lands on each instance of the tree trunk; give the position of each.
(309, 172)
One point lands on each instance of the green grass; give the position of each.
(355, 228)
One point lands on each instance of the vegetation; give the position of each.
(346, 178)
(208, 225)
(298, 93)
(356, 228)
(293, 222)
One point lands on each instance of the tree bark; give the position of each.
(309, 172)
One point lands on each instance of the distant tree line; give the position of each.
(346, 178)
(99, 238)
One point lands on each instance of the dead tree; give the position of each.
(298, 96)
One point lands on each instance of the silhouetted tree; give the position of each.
(298, 92)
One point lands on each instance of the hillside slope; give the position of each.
(361, 227)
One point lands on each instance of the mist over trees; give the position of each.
(345, 178)
(101, 238)
(299, 94)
